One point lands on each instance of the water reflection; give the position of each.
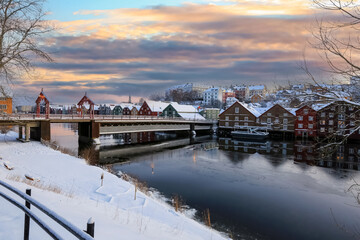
(344, 156)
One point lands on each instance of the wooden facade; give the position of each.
(237, 115)
(6, 105)
(338, 120)
(126, 111)
(278, 119)
(306, 122)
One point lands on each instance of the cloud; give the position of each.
(140, 51)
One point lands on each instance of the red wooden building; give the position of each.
(305, 123)
(152, 108)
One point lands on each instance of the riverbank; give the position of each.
(73, 189)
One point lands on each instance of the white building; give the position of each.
(257, 89)
(212, 96)
(230, 101)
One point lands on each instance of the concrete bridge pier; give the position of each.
(192, 129)
(89, 131)
(20, 132)
(27, 132)
(39, 132)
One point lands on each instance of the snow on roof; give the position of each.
(292, 110)
(124, 105)
(261, 110)
(257, 87)
(183, 108)
(251, 109)
(240, 87)
(319, 106)
(191, 116)
(212, 89)
(157, 106)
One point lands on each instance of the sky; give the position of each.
(112, 49)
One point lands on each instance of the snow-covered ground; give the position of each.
(72, 189)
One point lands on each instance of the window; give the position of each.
(246, 119)
(311, 118)
(331, 130)
(269, 113)
(331, 115)
(341, 117)
(331, 122)
(285, 121)
(285, 114)
(226, 124)
(306, 111)
(227, 118)
(322, 122)
(276, 120)
(236, 110)
(246, 124)
(300, 125)
(322, 129)
(351, 108)
(300, 118)
(3, 107)
(351, 151)
(352, 123)
(323, 114)
(236, 118)
(285, 127)
(311, 126)
(236, 124)
(269, 120)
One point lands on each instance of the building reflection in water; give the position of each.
(345, 156)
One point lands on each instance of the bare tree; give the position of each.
(337, 36)
(22, 22)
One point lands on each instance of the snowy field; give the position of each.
(72, 189)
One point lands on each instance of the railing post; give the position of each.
(27, 218)
(90, 228)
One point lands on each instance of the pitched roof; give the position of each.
(156, 106)
(191, 116)
(183, 108)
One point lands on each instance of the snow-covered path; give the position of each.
(72, 189)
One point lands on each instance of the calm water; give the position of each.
(271, 190)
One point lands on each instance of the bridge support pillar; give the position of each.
(20, 132)
(45, 131)
(27, 132)
(89, 130)
(192, 129)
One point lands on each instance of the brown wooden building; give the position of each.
(339, 119)
(238, 115)
(278, 119)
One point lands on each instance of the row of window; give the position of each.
(3, 107)
(310, 118)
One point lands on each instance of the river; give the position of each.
(253, 190)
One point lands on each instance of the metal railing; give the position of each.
(14, 117)
(76, 232)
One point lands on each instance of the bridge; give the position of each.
(92, 126)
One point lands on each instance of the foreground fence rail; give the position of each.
(76, 232)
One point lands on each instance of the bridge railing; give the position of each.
(76, 232)
(14, 117)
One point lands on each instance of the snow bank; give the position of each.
(73, 190)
